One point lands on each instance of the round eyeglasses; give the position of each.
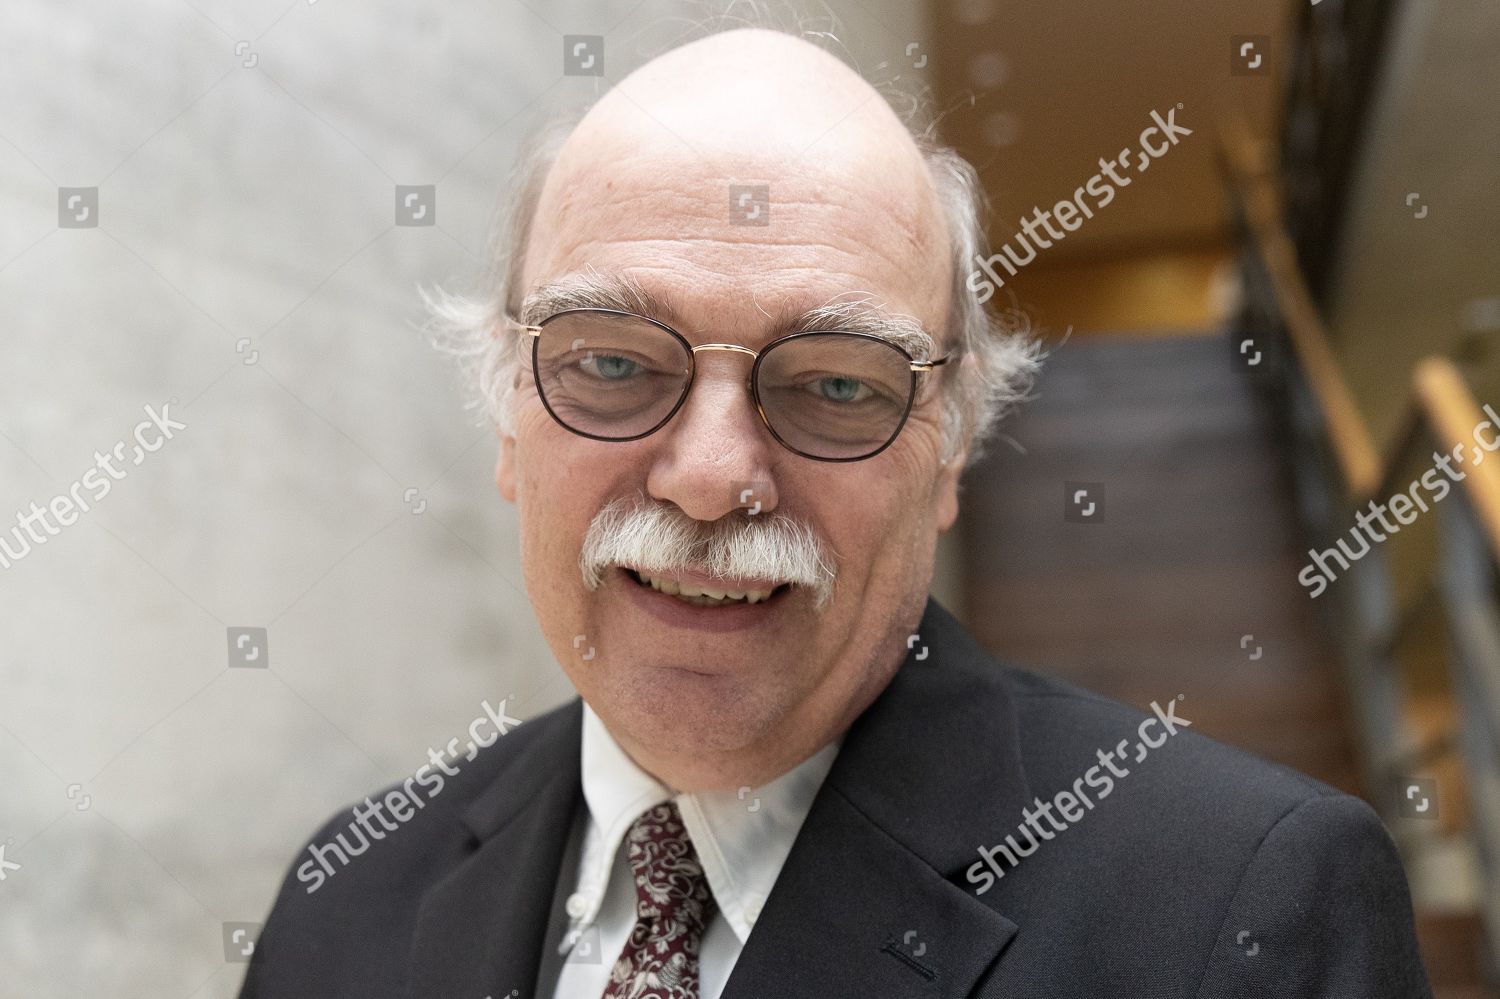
(617, 376)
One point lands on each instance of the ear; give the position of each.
(505, 466)
(945, 490)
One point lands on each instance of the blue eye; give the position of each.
(611, 367)
(837, 389)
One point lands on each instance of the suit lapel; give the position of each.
(872, 900)
(481, 929)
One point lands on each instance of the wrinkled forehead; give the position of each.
(728, 221)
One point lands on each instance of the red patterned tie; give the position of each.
(672, 906)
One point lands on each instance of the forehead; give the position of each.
(739, 240)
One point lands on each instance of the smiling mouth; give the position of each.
(703, 596)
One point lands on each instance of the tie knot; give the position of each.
(670, 887)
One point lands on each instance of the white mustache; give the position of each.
(661, 540)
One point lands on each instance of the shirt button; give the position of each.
(752, 912)
(577, 905)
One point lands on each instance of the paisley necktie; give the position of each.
(672, 906)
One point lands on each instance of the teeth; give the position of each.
(703, 596)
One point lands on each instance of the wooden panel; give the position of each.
(1198, 547)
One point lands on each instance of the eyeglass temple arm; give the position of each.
(929, 365)
(511, 322)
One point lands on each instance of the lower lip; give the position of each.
(680, 614)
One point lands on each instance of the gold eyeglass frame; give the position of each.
(917, 368)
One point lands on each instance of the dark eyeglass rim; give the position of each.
(751, 382)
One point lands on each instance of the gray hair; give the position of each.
(997, 360)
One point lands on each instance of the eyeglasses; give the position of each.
(616, 376)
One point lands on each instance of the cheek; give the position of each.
(553, 506)
(563, 481)
(917, 505)
(883, 521)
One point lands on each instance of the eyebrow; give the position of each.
(591, 290)
(854, 313)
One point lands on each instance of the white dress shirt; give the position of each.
(742, 839)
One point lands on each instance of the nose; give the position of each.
(715, 455)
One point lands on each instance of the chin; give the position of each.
(679, 711)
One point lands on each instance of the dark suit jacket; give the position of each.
(1204, 873)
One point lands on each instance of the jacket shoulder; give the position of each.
(354, 890)
(1064, 727)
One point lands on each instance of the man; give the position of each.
(733, 446)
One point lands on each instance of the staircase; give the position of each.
(1182, 579)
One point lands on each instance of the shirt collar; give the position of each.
(742, 837)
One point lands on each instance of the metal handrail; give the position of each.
(1441, 399)
(1451, 413)
(1353, 448)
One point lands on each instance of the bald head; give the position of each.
(644, 183)
(756, 93)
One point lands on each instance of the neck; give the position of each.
(696, 772)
